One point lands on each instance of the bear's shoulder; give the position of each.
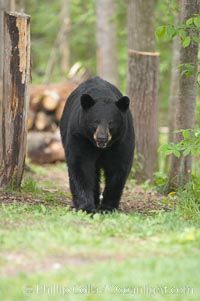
(97, 88)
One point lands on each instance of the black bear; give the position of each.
(97, 133)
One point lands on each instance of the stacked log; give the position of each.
(45, 110)
(47, 102)
(45, 147)
(46, 105)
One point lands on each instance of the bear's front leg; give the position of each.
(115, 182)
(82, 183)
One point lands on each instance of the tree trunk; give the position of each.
(20, 4)
(174, 79)
(61, 44)
(15, 97)
(174, 85)
(106, 41)
(4, 5)
(180, 168)
(143, 79)
(64, 45)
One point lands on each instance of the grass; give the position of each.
(49, 252)
(45, 247)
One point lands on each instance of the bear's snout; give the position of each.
(102, 136)
(102, 142)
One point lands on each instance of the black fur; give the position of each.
(97, 102)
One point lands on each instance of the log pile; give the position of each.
(46, 105)
(45, 110)
(45, 147)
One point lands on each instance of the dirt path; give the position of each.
(55, 181)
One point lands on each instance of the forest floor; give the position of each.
(50, 252)
(49, 185)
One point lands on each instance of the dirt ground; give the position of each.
(134, 198)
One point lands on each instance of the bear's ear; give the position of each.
(123, 103)
(87, 101)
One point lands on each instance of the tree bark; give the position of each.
(15, 97)
(106, 41)
(173, 84)
(143, 81)
(180, 168)
(64, 45)
(174, 78)
(4, 4)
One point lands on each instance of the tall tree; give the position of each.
(15, 97)
(61, 44)
(143, 81)
(4, 5)
(173, 83)
(180, 168)
(106, 40)
(20, 5)
(174, 77)
(64, 45)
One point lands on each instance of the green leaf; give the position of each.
(186, 152)
(197, 21)
(168, 152)
(186, 42)
(186, 134)
(196, 39)
(182, 33)
(181, 66)
(176, 153)
(170, 31)
(160, 31)
(189, 21)
(188, 69)
(164, 148)
(185, 72)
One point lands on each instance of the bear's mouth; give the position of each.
(101, 144)
(102, 136)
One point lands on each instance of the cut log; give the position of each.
(31, 120)
(35, 139)
(35, 103)
(59, 110)
(45, 147)
(42, 121)
(47, 103)
(50, 100)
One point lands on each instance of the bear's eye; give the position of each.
(111, 125)
(94, 125)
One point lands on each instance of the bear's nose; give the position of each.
(102, 141)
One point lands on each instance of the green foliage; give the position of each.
(165, 13)
(45, 25)
(160, 180)
(186, 69)
(30, 185)
(187, 32)
(189, 200)
(82, 34)
(190, 144)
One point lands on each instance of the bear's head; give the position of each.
(103, 121)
